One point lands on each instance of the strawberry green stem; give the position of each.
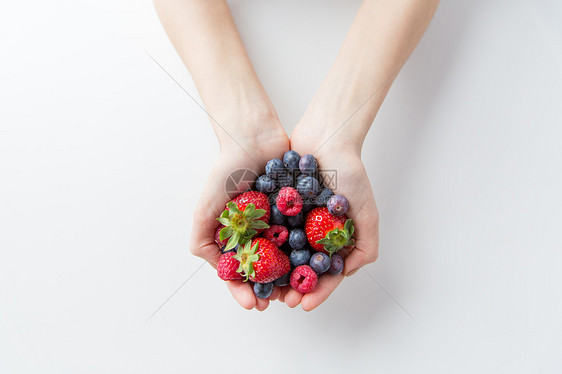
(338, 238)
(240, 226)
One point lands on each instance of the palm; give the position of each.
(353, 183)
(251, 157)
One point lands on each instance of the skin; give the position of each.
(382, 37)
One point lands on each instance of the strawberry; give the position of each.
(244, 217)
(261, 261)
(328, 233)
(228, 266)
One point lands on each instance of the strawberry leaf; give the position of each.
(349, 227)
(258, 213)
(226, 232)
(233, 208)
(232, 241)
(259, 225)
(250, 209)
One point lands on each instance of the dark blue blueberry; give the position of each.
(276, 218)
(337, 205)
(307, 206)
(320, 262)
(286, 248)
(308, 187)
(274, 167)
(323, 197)
(296, 221)
(300, 177)
(285, 179)
(299, 257)
(265, 184)
(291, 160)
(297, 238)
(308, 164)
(283, 281)
(263, 290)
(273, 198)
(235, 249)
(337, 264)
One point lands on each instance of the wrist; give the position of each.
(252, 129)
(329, 130)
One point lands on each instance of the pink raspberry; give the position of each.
(227, 268)
(289, 201)
(277, 234)
(303, 279)
(217, 239)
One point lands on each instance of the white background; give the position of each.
(102, 157)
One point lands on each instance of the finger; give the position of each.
(242, 293)
(275, 294)
(358, 258)
(326, 285)
(293, 298)
(284, 291)
(209, 206)
(262, 304)
(210, 253)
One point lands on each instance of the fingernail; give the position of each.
(352, 272)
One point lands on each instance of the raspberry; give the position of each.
(277, 234)
(289, 201)
(220, 242)
(228, 266)
(303, 279)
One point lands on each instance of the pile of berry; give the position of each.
(285, 233)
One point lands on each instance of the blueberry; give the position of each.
(296, 221)
(276, 218)
(337, 264)
(299, 257)
(286, 248)
(308, 186)
(274, 167)
(235, 249)
(308, 164)
(285, 179)
(297, 238)
(323, 197)
(263, 290)
(273, 198)
(337, 205)
(307, 206)
(283, 280)
(320, 262)
(265, 184)
(300, 177)
(291, 160)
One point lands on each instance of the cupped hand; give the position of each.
(243, 151)
(353, 183)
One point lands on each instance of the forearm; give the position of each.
(382, 37)
(205, 36)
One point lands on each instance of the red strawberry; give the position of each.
(244, 217)
(328, 233)
(228, 266)
(261, 261)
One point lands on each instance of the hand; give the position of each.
(353, 183)
(251, 150)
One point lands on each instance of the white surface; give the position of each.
(102, 157)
